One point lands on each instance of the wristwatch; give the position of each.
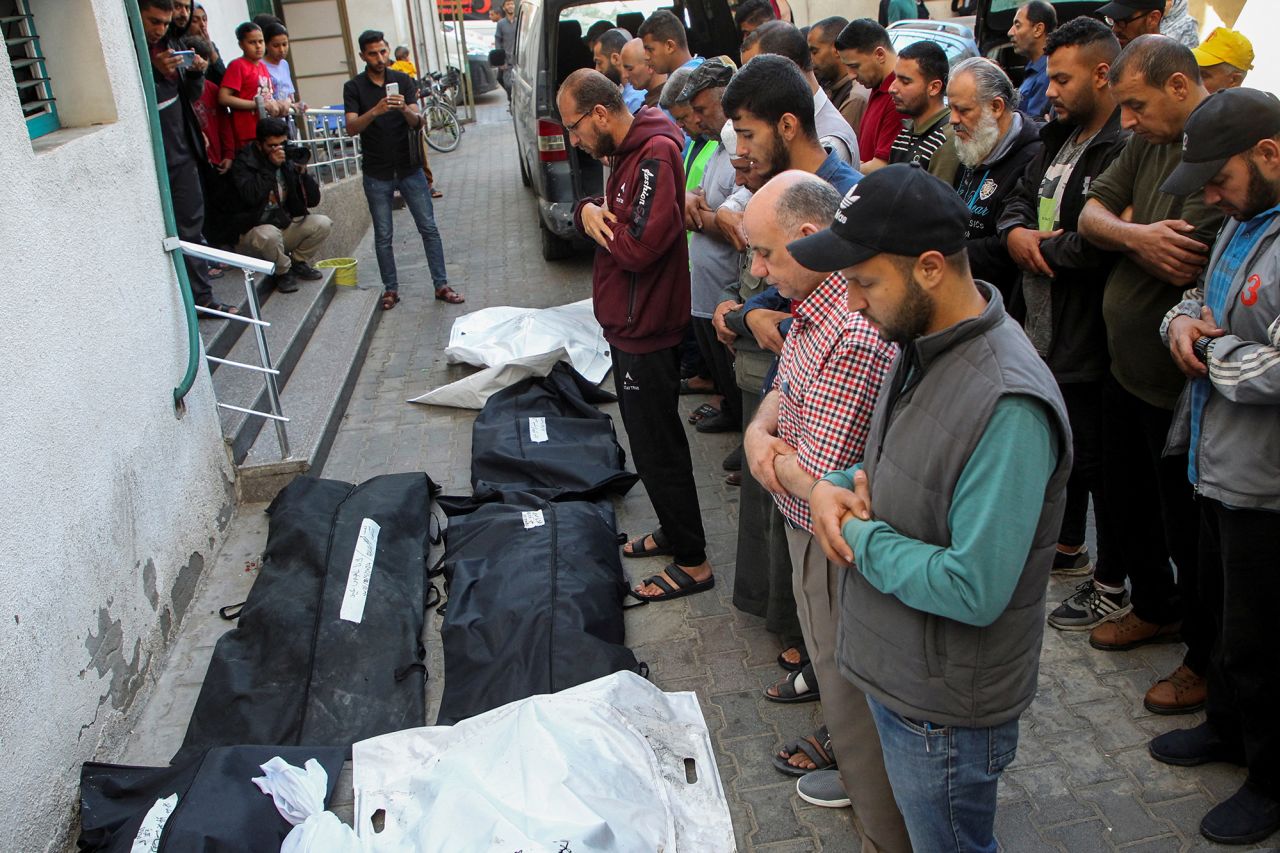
(1201, 348)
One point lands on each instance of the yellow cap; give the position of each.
(1224, 45)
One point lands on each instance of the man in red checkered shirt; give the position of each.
(814, 420)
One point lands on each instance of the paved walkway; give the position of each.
(1083, 780)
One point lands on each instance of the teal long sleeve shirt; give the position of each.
(994, 512)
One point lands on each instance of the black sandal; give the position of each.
(684, 585)
(661, 547)
(703, 412)
(215, 305)
(788, 691)
(687, 388)
(788, 665)
(816, 746)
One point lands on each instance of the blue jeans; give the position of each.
(944, 779)
(413, 189)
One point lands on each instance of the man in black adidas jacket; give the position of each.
(1059, 295)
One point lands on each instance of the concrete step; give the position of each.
(316, 395)
(220, 335)
(293, 318)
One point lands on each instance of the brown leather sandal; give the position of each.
(448, 294)
(390, 299)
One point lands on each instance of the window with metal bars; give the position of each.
(35, 89)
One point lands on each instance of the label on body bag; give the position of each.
(533, 519)
(537, 430)
(361, 572)
(152, 827)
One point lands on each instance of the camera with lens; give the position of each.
(296, 152)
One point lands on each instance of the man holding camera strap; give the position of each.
(274, 191)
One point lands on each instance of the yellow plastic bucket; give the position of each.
(344, 270)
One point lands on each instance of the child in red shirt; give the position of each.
(246, 78)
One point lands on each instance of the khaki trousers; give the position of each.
(844, 706)
(301, 240)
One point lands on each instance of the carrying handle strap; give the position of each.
(436, 538)
(403, 672)
(231, 612)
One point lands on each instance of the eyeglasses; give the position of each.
(1122, 22)
(574, 126)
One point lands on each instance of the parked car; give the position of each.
(549, 47)
(479, 42)
(956, 40)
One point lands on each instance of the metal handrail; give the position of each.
(269, 373)
(324, 140)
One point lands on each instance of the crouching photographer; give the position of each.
(271, 192)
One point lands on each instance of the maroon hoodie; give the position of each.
(641, 287)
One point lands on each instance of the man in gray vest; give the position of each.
(951, 520)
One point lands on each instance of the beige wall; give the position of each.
(1258, 20)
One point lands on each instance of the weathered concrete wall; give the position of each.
(112, 502)
(343, 202)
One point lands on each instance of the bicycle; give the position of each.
(435, 102)
(444, 86)
(443, 131)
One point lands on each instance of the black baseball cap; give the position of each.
(897, 210)
(1225, 124)
(1122, 9)
(711, 74)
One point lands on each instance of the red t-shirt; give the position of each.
(215, 121)
(881, 122)
(246, 80)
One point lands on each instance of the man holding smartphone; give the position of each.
(178, 86)
(381, 107)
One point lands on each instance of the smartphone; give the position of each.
(393, 89)
(188, 58)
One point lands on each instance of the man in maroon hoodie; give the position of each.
(640, 288)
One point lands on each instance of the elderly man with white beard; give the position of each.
(994, 143)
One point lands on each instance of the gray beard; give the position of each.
(972, 152)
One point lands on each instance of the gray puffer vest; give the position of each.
(932, 411)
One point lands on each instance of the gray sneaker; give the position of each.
(822, 788)
(1088, 607)
(1072, 565)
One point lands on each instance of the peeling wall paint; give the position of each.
(113, 503)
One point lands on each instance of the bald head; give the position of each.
(635, 66)
(792, 205)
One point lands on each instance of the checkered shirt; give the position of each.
(829, 376)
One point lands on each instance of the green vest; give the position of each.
(693, 170)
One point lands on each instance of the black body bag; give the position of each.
(294, 670)
(535, 602)
(219, 808)
(544, 436)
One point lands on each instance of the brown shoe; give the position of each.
(1129, 632)
(1182, 692)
